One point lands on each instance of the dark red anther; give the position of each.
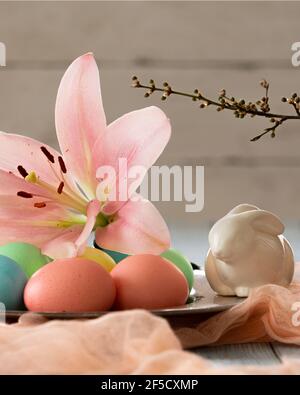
(22, 171)
(48, 155)
(40, 204)
(60, 187)
(62, 164)
(25, 195)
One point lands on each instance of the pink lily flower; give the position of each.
(53, 199)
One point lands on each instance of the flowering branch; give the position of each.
(240, 107)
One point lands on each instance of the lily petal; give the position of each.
(67, 245)
(62, 245)
(80, 119)
(139, 137)
(20, 150)
(11, 184)
(39, 235)
(138, 228)
(52, 226)
(93, 210)
(16, 208)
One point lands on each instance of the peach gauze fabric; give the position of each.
(269, 313)
(137, 342)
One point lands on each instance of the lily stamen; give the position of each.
(63, 170)
(65, 198)
(62, 165)
(22, 171)
(60, 188)
(40, 204)
(48, 155)
(31, 177)
(25, 195)
(60, 177)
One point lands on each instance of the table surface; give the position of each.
(249, 354)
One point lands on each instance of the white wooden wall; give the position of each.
(208, 45)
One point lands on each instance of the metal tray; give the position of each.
(203, 300)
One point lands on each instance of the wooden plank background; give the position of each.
(208, 45)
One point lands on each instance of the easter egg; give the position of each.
(115, 255)
(148, 282)
(100, 257)
(12, 283)
(182, 263)
(70, 285)
(29, 257)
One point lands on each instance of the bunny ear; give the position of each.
(241, 208)
(266, 222)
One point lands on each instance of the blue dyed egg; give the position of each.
(12, 283)
(116, 255)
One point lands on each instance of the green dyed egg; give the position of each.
(182, 263)
(26, 255)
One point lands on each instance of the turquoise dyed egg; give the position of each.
(182, 263)
(116, 255)
(28, 256)
(12, 283)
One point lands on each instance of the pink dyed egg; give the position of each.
(148, 282)
(70, 285)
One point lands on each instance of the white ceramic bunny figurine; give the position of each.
(247, 250)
